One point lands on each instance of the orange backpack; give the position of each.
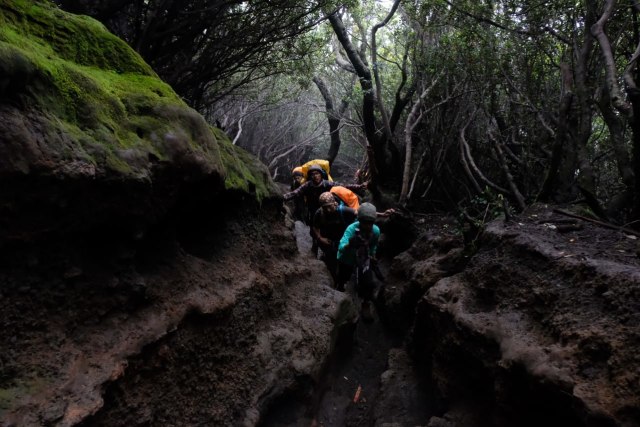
(347, 196)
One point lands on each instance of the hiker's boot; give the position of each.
(365, 312)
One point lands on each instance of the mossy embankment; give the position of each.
(82, 113)
(106, 178)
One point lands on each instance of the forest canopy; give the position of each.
(443, 103)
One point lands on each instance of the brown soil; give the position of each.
(204, 322)
(541, 327)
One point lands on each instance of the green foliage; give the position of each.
(18, 389)
(479, 211)
(486, 207)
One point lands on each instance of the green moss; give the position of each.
(243, 171)
(41, 26)
(8, 396)
(112, 109)
(91, 86)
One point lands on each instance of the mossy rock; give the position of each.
(243, 171)
(78, 101)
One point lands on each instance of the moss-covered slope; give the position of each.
(92, 139)
(76, 101)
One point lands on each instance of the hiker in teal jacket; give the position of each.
(357, 248)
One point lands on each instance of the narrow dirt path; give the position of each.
(350, 393)
(357, 368)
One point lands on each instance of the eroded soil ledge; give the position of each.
(204, 318)
(539, 328)
(212, 316)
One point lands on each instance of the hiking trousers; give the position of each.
(364, 283)
(331, 258)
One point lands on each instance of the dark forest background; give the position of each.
(446, 105)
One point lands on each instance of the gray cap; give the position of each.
(367, 212)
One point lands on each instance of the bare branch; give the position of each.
(415, 175)
(473, 167)
(628, 71)
(463, 155)
(515, 192)
(341, 61)
(243, 110)
(332, 116)
(376, 71)
(412, 121)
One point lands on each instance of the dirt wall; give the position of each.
(540, 328)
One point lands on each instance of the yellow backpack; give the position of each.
(324, 164)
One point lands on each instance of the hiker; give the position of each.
(357, 248)
(297, 179)
(311, 190)
(329, 223)
(324, 166)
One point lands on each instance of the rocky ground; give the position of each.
(222, 320)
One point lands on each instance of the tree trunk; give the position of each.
(634, 95)
(616, 132)
(333, 117)
(611, 75)
(381, 172)
(412, 121)
(515, 192)
(364, 76)
(630, 76)
(574, 127)
(463, 155)
(586, 177)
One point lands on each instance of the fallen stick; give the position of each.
(600, 223)
(357, 396)
(558, 221)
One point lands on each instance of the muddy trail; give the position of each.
(350, 391)
(349, 388)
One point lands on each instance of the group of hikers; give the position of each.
(342, 228)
